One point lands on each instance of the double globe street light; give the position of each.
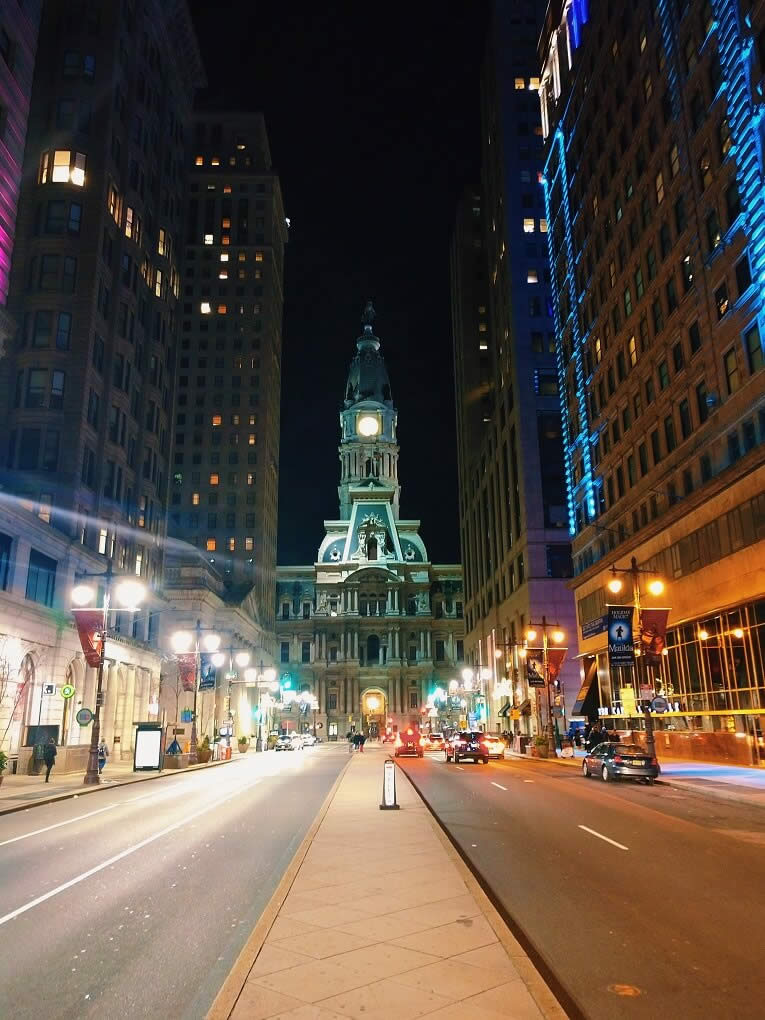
(128, 594)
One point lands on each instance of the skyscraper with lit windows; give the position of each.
(655, 191)
(226, 454)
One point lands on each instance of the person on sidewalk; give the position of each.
(49, 757)
(362, 741)
(103, 754)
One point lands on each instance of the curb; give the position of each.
(226, 999)
(112, 786)
(688, 786)
(552, 998)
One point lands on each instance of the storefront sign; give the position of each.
(593, 627)
(84, 717)
(653, 634)
(660, 704)
(621, 651)
(535, 673)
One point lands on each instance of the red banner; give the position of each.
(555, 657)
(187, 671)
(653, 634)
(90, 625)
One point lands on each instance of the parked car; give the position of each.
(495, 745)
(467, 744)
(434, 742)
(409, 743)
(284, 743)
(620, 761)
(309, 740)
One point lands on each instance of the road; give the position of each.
(643, 902)
(136, 901)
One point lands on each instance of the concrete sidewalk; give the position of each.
(381, 918)
(19, 792)
(721, 782)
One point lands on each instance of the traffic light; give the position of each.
(286, 683)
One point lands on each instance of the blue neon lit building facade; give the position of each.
(655, 197)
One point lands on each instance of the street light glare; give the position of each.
(531, 635)
(497, 653)
(130, 593)
(218, 659)
(558, 636)
(467, 674)
(453, 685)
(211, 642)
(82, 594)
(251, 675)
(182, 641)
(615, 585)
(269, 675)
(521, 653)
(656, 587)
(242, 659)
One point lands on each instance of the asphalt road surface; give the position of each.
(643, 902)
(136, 901)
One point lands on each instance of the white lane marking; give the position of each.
(459, 767)
(528, 780)
(601, 836)
(57, 825)
(118, 857)
(498, 786)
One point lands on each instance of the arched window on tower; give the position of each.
(373, 650)
(372, 549)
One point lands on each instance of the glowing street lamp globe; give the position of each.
(218, 659)
(656, 587)
(181, 641)
(82, 594)
(558, 636)
(453, 685)
(467, 674)
(615, 585)
(130, 593)
(211, 642)
(251, 675)
(269, 675)
(242, 659)
(531, 635)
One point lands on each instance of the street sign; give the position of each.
(388, 802)
(67, 691)
(49, 689)
(84, 717)
(178, 730)
(593, 627)
(660, 704)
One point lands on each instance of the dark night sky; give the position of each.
(373, 119)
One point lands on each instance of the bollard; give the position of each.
(388, 802)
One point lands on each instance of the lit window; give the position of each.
(226, 189)
(162, 242)
(632, 351)
(532, 276)
(211, 545)
(258, 256)
(217, 419)
(138, 563)
(195, 499)
(528, 226)
(129, 221)
(208, 239)
(520, 84)
(647, 87)
(63, 167)
(214, 478)
(659, 188)
(483, 346)
(543, 226)
(204, 308)
(251, 439)
(223, 274)
(232, 545)
(158, 284)
(226, 223)
(534, 84)
(102, 537)
(249, 543)
(222, 309)
(225, 240)
(199, 161)
(215, 161)
(250, 479)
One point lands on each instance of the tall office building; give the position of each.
(225, 462)
(515, 542)
(656, 207)
(94, 286)
(19, 25)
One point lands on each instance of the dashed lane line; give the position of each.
(606, 839)
(499, 786)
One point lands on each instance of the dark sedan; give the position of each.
(467, 744)
(620, 761)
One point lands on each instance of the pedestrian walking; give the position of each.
(362, 741)
(49, 757)
(103, 754)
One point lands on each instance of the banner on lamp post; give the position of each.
(90, 625)
(621, 649)
(535, 670)
(555, 659)
(187, 671)
(653, 634)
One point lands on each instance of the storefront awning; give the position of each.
(503, 712)
(584, 690)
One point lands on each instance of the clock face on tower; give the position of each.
(368, 425)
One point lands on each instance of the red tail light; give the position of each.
(618, 758)
(654, 761)
(409, 733)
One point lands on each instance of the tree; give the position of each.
(12, 688)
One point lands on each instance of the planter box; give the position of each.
(176, 761)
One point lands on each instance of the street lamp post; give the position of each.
(655, 587)
(130, 593)
(557, 636)
(182, 641)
